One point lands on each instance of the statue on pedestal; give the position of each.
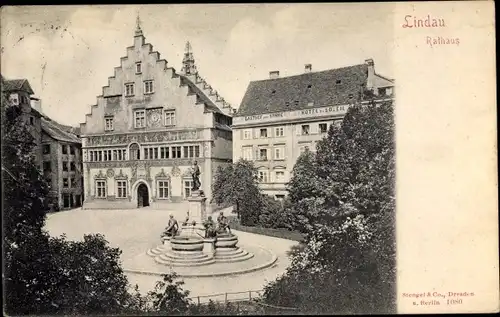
(172, 228)
(223, 224)
(210, 230)
(196, 176)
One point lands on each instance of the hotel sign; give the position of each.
(292, 115)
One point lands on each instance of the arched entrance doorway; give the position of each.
(142, 196)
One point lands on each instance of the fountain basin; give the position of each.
(186, 244)
(226, 241)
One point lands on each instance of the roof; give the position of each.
(323, 88)
(16, 84)
(53, 129)
(208, 102)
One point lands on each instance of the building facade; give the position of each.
(62, 164)
(148, 127)
(280, 117)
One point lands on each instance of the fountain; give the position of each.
(196, 244)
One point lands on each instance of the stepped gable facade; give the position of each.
(148, 127)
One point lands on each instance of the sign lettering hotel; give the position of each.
(292, 115)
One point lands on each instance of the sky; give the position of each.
(67, 53)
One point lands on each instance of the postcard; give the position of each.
(207, 159)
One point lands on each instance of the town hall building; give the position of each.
(281, 117)
(148, 127)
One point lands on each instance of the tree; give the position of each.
(44, 275)
(345, 196)
(237, 184)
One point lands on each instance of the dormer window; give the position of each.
(138, 67)
(338, 82)
(309, 86)
(129, 89)
(351, 96)
(273, 91)
(148, 87)
(287, 104)
(296, 102)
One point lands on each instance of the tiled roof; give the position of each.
(16, 84)
(54, 131)
(209, 103)
(315, 89)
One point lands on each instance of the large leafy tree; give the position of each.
(237, 184)
(345, 197)
(44, 275)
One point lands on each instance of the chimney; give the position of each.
(308, 68)
(274, 74)
(371, 74)
(36, 104)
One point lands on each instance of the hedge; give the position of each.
(277, 233)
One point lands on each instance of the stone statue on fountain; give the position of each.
(196, 178)
(172, 228)
(210, 229)
(223, 224)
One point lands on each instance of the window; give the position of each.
(100, 189)
(338, 82)
(72, 166)
(65, 183)
(32, 120)
(140, 118)
(263, 176)
(280, 197)
(247, 134)
(280, 177)
(134, 152)
(305, 129)
(323, 128)
(187, 188)
(303, 148)
(138, 68)
(148, 87)
(176, 152)
(279, 131)
(14, 99)
(169, 117)
(47, 167)
(73, 182)
(247, 153)
(191, 151)
(129, 89)
(72, 150)
(64, 149)
(121, 189)
(163, 189)
(388, 91)
(263, 133)
(108, 124)
(279, 153)
(263, 154)
(164, 152)
(65, 166)
(46, 149)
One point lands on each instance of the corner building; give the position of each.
(148, 126)
(280, 117)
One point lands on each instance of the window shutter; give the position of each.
(298, 128)
(254, 133)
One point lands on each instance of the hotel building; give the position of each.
(280, 117)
